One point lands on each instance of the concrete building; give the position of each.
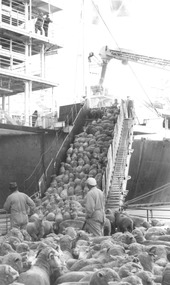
(23, 51)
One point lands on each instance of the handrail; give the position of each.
(150, 212)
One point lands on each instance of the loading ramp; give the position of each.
(117, 189)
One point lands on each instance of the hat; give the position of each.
(13, 185)
(91, 181)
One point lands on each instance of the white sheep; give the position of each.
(13, 259)
(48, 261)
(35, 229)
(7, 274)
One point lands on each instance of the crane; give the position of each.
(124, 55)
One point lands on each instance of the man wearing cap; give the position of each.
(18, 204)
(94, 205)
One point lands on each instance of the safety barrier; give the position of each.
(4, 222)
(14, 15)
(151, 212)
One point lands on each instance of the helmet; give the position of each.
(91, 181)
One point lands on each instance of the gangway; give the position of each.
(117, 189)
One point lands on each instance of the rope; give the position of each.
(155, 191)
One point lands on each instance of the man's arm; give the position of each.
(7, 205)
(90, 206)
(30, 203)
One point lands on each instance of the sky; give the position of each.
(137, 25)
(84, 26)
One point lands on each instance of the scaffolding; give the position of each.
(23, 50)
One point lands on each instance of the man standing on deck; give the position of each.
(130, 107)
(47, 20)
(39, 23)
(94, 205)
(17, 204)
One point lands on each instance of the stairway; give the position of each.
(118, 179)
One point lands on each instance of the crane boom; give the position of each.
(107, 54)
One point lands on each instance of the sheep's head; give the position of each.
(51, 258)
(14, 260)
(7, 274)
(103, 276)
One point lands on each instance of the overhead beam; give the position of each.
(6, 90)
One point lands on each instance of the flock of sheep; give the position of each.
(54, 249)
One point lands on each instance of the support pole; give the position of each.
(9, 105)
(0, 11)
(27, 103)
(52, 101)
(26, 15)
(3, 102)
(42, 60)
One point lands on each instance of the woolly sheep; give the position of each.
(104, 276)
(123, 223)
(14, 260)
(35, 229)
(7, 274)
(48, 261)
(147, 261)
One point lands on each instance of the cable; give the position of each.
(41, 159)
(97, 9)
(155, 191)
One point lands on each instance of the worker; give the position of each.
(94, 206)
(130, 107)
(39, 23)
(47, 20)
(34, 118)
(18, 204)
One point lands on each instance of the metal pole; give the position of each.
(26, 15)
(3, 102)
(26, 104)
(42, 61)
(0, 11)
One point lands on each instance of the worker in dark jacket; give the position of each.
(39, 23)
(18, 204)
(47, 20)
(94, 205)
(130, 107)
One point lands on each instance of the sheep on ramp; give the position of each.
(48, 261)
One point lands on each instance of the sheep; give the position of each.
(7, 274)
(35, 229)
(14, 260)
(110, 216)
(104, 276)
(48, 262)
(133, 280)
(73, 276)
(5, 248)
(147, 261)
(166, 272)
(123, 223)
(129, 268)
(107, 227)
(125, 238)
(47, 227)
(146, 277)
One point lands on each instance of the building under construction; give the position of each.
(21, 47)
